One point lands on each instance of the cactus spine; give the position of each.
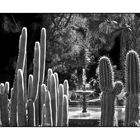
(132, 77)
(109, 89)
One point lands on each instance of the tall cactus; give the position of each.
(36, 71)
(42, 67)
(132, 78)
(109, 89)
(20, 65)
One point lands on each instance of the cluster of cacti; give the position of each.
(110, 89)
(38, 104)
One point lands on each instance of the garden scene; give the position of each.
(69, 70)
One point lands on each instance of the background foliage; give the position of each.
(74, 42)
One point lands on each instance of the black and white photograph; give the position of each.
(69, 72)
(69, 69)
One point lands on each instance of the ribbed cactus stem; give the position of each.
(31, 113)
(65, 120)
(36, 71)
(132, 77)
(42, 66)
(49, 121)
(4, 102)
(57, 81)
(30, 86)
(50, 72)
(43, 92)
(53, 94)
(57, 85)
(106, 74)
(60, 105)
(109, 91)
(43, 54)
(43, 115)
(4, 91)
(25, 80)
(21, 112)
(66, 88)
(20, 65)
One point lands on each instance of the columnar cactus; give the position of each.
(60, 105)
(26, 103)
(21, 111)
(66, 88)
(109, 91)
(4, 91)
(20, 65)
(30, 86)
(49, 121)
(53, 94)
(65, 112)
(132, 78)
(31, 113)
(50, 72)
(36, 71)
